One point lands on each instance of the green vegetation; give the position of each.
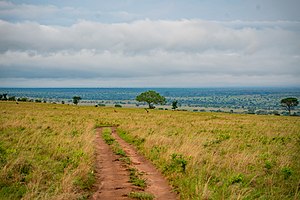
(107, 137)
(3, 96)
(12, 98)
(136, 178)
(174, 105)
(24, 99)
(141, 195)
(151, 97)
(47, 151)
(289, 103)
(76, 99)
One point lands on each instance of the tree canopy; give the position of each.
(174, 105)
(289, 103)
(76, 99)
(151, 97)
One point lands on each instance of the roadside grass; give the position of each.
(220, 156)
(46, 152)
(45, 149)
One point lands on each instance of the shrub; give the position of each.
(236, 179)
(13, 98)
(268, 165)
(178, 164)
(24, 99)
(287, 172)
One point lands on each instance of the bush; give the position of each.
(236, 179)
(24, 99)
(118, 106)
(178, 164)
(13, 98)
(287, 172)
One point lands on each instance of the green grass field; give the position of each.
(46, 151)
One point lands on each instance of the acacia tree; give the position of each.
(151, 97)
(174, 105)
(289, 103)
(76, 99)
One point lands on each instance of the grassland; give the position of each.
(47, 151)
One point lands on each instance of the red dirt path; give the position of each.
(113, 177)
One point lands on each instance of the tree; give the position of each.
(76, 99)
(289, 103)
(174, 105)
(4, 96)
(12, 98)
(151, 97)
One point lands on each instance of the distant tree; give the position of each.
(4, 96)
(174, 105)
(151, 97)
(12, 98)
(76, 99)
(289, 103)
(23, 99)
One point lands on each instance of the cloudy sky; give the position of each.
(149, 43)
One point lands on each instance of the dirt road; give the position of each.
(113, 177)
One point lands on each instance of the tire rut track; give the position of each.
(112, 176)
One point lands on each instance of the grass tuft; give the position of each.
(136, 179)
(141, 195)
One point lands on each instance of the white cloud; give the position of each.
(195, 52)
(60, 15)
(26, 11)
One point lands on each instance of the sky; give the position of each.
(149, 43)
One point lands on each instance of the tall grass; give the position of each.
(227, 156)
(47, 151)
